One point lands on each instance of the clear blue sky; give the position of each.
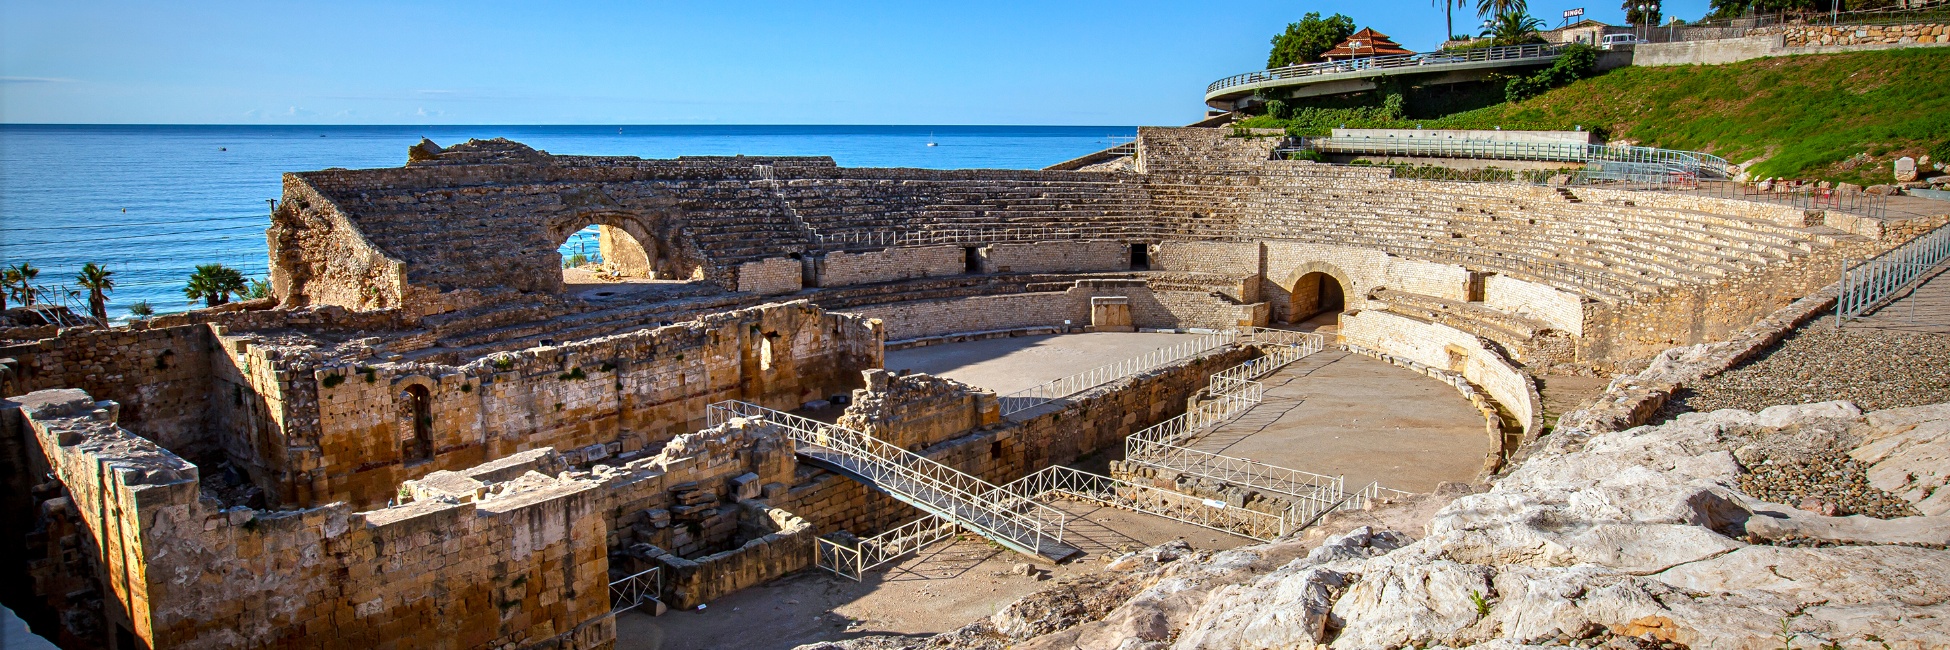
(484, 62)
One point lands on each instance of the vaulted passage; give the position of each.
(1317, 293)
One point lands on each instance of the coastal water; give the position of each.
(152, 202)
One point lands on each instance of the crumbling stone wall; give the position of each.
(918, 410)
(1149, 309)
(626, 391)
(1057, 256)
(1441, 346)
(527, 568)
(840, 268)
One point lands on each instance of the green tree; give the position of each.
(1500, 8)
(214, 284)
(1641, 12)
(258, 289)
(1578, 61)
(1448, 14)
(141, 309)
(6, 286)
(1302, 42)
(96, 279)
(20, 282)
(1513, 29)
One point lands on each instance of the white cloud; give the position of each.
(35, 80)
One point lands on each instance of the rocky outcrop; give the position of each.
(1637, 539)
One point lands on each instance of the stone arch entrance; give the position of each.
(627, 247)
(1316, 288)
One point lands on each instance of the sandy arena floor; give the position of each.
(1011, 364)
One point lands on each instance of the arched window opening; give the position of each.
(1315, 295)
(419, 408)
(604, 262)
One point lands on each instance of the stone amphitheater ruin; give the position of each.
(430, 438)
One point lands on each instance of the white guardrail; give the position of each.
(633, 590)
(1480, 55)
(1061, 481)
(1692, 162)
(973, 503)
(871, 552)
(1060, 388)
(1868, 284)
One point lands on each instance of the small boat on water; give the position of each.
(931, 142)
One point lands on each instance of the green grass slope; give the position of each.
(1802, 116)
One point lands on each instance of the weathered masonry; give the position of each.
(434, 435)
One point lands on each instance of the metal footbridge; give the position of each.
(1236, 91)
(1016, 522)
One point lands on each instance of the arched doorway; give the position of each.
(600, 253)
(611, 256)
(1314, 294)
(418, 408)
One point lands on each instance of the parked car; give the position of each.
(1613, 41)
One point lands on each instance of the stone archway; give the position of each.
(1316, 288)
(634, 246)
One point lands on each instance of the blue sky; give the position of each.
(758, 62)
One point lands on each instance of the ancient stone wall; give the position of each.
(1359, 271)
(527, 568)
(786, 548)
(1815, 35)
(1149, 309)
(1561, 309)
(625, 391)
(1060, 256)
(773, 276)
(841, 268)
(161, 376)
(918, 410)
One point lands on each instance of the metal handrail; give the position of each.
(1178, 506)
(1513, 52)
(1059, 388)
(1866, 284)
(1691, 162)
(1009, 520)
(630, 591)
(872, 552)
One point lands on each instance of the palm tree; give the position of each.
(1513, 28)
(1497, 8)
(1448, 18)
(1641, 12)
(258, 289)
(214, 284)
(141, 309)
(6, 286)
(95, 278)
(20, 281)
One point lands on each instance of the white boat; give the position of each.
(931, 139)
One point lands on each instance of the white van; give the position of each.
(1613, 41)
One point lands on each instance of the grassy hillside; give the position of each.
(1804, 116)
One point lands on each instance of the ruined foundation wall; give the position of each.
(1149, 309)
(1561, 309)
(841, 268)
(1060, 256)
(528, 569)
(625, 391)
(161, 376)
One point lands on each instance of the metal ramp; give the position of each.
(1014, 521)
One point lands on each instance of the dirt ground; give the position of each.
(1338, 413)
(943, 587)
(1007, 365)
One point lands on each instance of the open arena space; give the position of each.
(799, 403)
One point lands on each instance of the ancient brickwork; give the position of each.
(1149, 309)
(627, 391)
(918, 410)
(772, 276)
(526, 568)
(841, 268)
(1057, 257)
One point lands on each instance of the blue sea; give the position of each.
(152, 202)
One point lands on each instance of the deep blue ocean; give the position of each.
(152, 202)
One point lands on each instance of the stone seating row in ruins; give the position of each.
(1523, 336)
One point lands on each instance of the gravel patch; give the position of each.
(1874, 368)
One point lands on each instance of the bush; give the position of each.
(1278, 109)
(1578, 61)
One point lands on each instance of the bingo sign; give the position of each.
(1573, 13)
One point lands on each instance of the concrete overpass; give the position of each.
(1337, 77)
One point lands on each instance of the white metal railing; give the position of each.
(971, 502)
(1217, 515)
(631, 591)
(1866, 285)
(1062, 387)
(962, 236)
(1690, 162)
(1362, 66)
(870, 553)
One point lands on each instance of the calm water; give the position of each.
(151, 202)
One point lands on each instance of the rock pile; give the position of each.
(1875, 368)
(1641, 538)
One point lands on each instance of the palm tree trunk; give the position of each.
(1448, 20)
(98, 304)
(213, 300)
